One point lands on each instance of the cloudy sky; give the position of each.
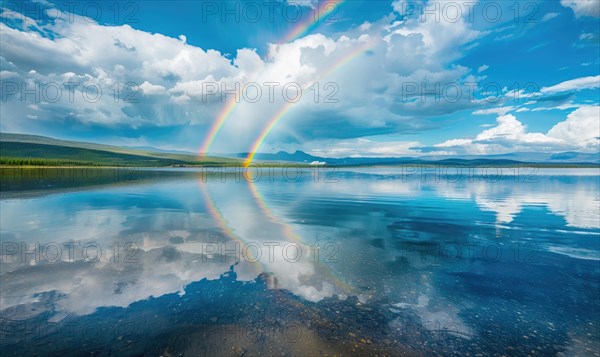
(338, 78)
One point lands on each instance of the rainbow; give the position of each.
(317, 17)
(216, 126)
(293, 237)
(290, 236)
(260, 201)
(216, 214)
(281, 112)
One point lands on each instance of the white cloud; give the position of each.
(454, 143)
(83, 51)
(549, 16)
(8, 74)
(367, 66)
(306, 3)
(574, 84)
(512, 130)
(582, 127)
(583, 7)
(430, 39)
(149, 88)
(558, 107)
(482, 68)
(499, 111)
(366, 26)
(580, 131)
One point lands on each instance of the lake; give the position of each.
(300, 262)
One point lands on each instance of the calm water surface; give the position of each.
(360, 262)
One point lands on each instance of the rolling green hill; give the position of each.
(20, 149)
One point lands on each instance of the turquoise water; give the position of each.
(356, 262)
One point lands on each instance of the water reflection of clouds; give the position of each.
(170, 233)
(254, 222)
(419, 206)
(83, 287)
(170, 222)
(578, 203)
(576, 198)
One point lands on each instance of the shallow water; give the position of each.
(355, 262)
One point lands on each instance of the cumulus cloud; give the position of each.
(580, 131)
(583, 7)
(383, 77)
(362, 71)
(582, 127)
(149, 88)
(118, 62)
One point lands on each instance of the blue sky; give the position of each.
(528, 73)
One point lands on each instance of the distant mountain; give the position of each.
(575, 156)
(511, 158)
(21, 146)
(530, 157)
(297, 156)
